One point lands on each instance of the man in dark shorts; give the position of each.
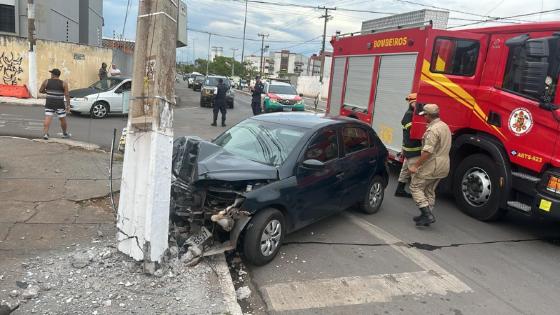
(220, 102)
(57, 94)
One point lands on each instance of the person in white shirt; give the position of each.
(114, 72)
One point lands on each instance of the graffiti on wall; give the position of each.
(10, 68)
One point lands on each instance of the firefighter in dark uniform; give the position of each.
(411, 148)
(258, 89)
(220, 102)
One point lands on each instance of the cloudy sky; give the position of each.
(300, 29)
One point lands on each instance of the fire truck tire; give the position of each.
(476, 188)
(263, 237)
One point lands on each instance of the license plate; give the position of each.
(287, 109)
(198, 239)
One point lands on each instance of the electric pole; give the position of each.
(262, 52)
(208, 58)
(244, 30)
(233, 61)
(143, 215)
(31, 52)
(327, 17)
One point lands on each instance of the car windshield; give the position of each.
(105, 85)
(213, 81)
(263, 142)
(199, 78)
(282, 89)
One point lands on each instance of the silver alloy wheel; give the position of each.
(375, 194)
(476, 187)
(99, 110)
(270, 238)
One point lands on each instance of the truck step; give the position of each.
(528, 177)
(519, 206)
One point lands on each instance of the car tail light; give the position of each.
(553, 184)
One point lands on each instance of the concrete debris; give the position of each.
(242, 272)
(243, 293)
(14, 293)
(22, 284)
(31, 292)
(192, 256)
(82, 259)
(107, 303)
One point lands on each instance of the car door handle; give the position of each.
(340, 175)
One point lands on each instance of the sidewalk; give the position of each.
(57, 247)
(22, 101)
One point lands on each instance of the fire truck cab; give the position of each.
(497, 89)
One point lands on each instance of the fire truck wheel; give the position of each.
(476, 188)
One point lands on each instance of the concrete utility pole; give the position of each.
(233, 61)
(143, 216)
(327, 17)
(31, 52)
(208, 58)
(262, 52)
(244, 31)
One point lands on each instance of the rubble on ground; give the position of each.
(100, 280)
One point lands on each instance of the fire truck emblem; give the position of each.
(520, 121)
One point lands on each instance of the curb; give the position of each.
(71, 143)
(30, 102)
(226, 283)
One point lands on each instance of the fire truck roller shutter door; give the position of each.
(396, 73)
(337, 80)
(358, 82)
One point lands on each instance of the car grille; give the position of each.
(287, 102)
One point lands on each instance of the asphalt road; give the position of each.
(377, 264)
(189, 119)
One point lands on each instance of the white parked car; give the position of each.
(100, 98)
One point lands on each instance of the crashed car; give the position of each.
(271, 175)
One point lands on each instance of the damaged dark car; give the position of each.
(271, 175)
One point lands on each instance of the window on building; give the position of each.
(7, 18)
(355, 139)
(324, 146)
(455, 56)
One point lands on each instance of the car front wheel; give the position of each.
(374, 196)
(99, 110)
(264, 236)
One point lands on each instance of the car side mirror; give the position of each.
(313, 164)
(301, 94)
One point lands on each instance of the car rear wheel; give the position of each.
(264, 236)
(99, 110)
(374, 196)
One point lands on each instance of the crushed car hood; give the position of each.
(195, 159)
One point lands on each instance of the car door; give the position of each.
(116, 96)
(318, 191)
(358, 162)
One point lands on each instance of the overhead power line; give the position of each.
(249, 39)
(508, 17)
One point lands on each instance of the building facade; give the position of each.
(279, 64)
(314, 65)
(76, 21)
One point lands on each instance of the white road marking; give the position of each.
(342, 291)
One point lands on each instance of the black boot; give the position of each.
(426, 218)
(401, 192)
(418, 217)
(223, 123)
(213, 124)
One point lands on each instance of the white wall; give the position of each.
(310, 86)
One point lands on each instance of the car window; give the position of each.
(455, 56)
(125, 86)
(354, 139)
(324, 146)
(282, 89)
(213, 81)
(105, 85)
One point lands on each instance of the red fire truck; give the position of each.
(497, 89)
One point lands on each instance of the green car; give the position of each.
(282, 97)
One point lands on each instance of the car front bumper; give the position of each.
(277, 107)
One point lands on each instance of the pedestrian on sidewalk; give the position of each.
(220, 102)
(257, 90)
(103, 74)
(57, 94)
(431, 166)
(410, 148)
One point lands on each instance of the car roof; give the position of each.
(305, 120)
(279, 83)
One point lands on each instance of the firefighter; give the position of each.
(257, 90)
(431, 166)
(410, 148)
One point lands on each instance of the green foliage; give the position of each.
(220, 66)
